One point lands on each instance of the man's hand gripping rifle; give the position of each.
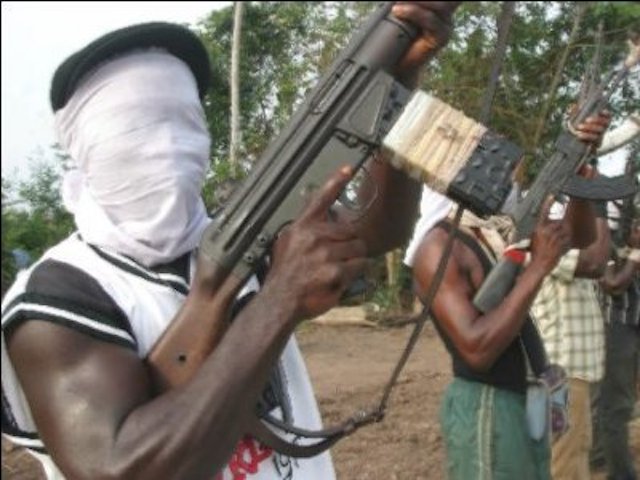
(342, 122)
(559, 176)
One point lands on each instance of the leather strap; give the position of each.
(265, 435)
(328, 437)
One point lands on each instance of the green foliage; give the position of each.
(537, 40)
(8, 266)
(286, 46)
(33, 218)
(394, 298)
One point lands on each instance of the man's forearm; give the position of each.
(496, 329)
(212, 410)
(592, 260)
(389, 221)
(616, 282)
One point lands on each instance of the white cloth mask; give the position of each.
(137, 132)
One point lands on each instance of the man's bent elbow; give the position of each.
(595, 272)
(592, 268)
(480, 362)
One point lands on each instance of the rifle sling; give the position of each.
(268, 437)
(330, 436)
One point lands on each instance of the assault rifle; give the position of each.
(343, 121)
(558, 176)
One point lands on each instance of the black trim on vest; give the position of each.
(30, 315)
(9, 426)
(150, 275)
(113, 318)
(60, 293)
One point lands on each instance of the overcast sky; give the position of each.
(37, 37)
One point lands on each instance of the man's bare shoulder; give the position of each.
(430, 252)
(463, 263)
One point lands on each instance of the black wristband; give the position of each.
(600, 208)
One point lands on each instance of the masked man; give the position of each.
(77, 326)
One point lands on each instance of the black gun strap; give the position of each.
(424, 316)
(268, 437)
(331, 435)
(534, 348)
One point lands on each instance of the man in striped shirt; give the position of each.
(570, 321)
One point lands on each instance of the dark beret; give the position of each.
(176, 39)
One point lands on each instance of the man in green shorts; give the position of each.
(483, 417)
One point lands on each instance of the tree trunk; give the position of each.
(392, 259)
(503, 27)
(581, 10)
(234, 143)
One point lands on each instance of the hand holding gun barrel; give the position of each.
(559, 176)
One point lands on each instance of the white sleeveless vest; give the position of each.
(148, 300)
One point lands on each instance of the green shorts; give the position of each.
(486, 437)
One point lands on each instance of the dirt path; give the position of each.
(349, 367)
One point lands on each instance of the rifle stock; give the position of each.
(196, 330)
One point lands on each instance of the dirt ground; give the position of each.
(349, 367)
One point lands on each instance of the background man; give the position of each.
(570, 321)
(621, 283)
(483, 417)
